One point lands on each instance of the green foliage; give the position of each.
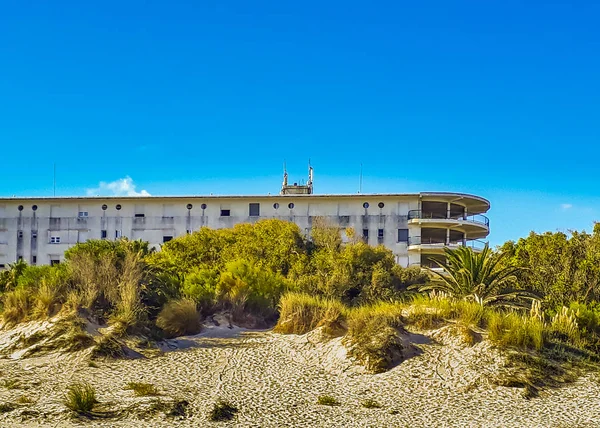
(6, 407)
(222, 411)
(512, 329)
(108, 347)
(200, 285)
(81, 398)
(16, 305)
(178, 318)
(479, 277)
(142, 389)
(327, 400)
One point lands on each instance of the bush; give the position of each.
(200, 286)
(81, 398)
(178, 318)
(327, 400)
(373, 335)
(222, 411)
(301, 313)
(142, 389)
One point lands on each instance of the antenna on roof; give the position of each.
(360, 179)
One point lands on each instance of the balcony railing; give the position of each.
(471, 243)
(475, 218)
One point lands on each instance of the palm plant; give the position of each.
(478, 277)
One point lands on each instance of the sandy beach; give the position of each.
(275, 381)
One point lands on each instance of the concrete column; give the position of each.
(448, 209)
(447, 236)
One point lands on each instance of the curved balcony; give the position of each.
(476, 225)
(434, 245)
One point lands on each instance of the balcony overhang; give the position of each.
(472, 229)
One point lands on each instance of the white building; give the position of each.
(416, 227)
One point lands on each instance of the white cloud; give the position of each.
(566, 206)
(121, 187)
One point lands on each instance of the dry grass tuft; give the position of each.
(371, 404)
(511, 329)
(108, 347)
(327, 400)
(142, 389)
(222, 411)
(17, 304)
(81, 398)
(179, 317)
(301, 313)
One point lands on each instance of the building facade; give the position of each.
(415, 227)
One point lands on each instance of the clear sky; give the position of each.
(496, 98)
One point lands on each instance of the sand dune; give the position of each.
(275, 381)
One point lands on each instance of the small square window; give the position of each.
(118, 234)
(254, 210)
(103, 234)
(83, 214)
(54, 262)
(20, 234)
(225, 213)
(55, 239)
(167, 238)
(380, 233)
(402, 235)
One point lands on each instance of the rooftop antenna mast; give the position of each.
(360, 178)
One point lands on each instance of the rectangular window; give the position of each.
(402, 235)
(139, 215)
(2, 266)
(55, 239)
(103, 234)
(167, 238)
(33, 235)
(254, 210)
(83, 214)
(225, 213)
(366, 233)
(20, 234)
(54, 262)
(33, 260)
(380, 233)
(117, 234)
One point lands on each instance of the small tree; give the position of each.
(478, 277)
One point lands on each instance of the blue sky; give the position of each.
(499, 99)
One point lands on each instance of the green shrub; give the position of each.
(81, 398)
(301, 313)
(179, 317)
(327, 400)
(222, 411)
(200, 286)
(142, 389)
(23, 399)
(6, 407)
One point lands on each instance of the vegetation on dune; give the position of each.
(142, 389)
(81, 398)
(539, 294)
(327, 400)
(222, 411)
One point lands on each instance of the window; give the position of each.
(20, 234)
(203, 206)
(54, 262)
(366, 205)
(55, 239)
(381, 205)
(33, 260)
(2, 266)
(275, 206)
(402, 235)
(291, 205)
(118, 234)
(189, 232)
(139, 215)
(33, 235)
(103, 234)
(380, 233)
(83, 214)
(167, 238)
(254, 210)
(366, 233)
(225, 213)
